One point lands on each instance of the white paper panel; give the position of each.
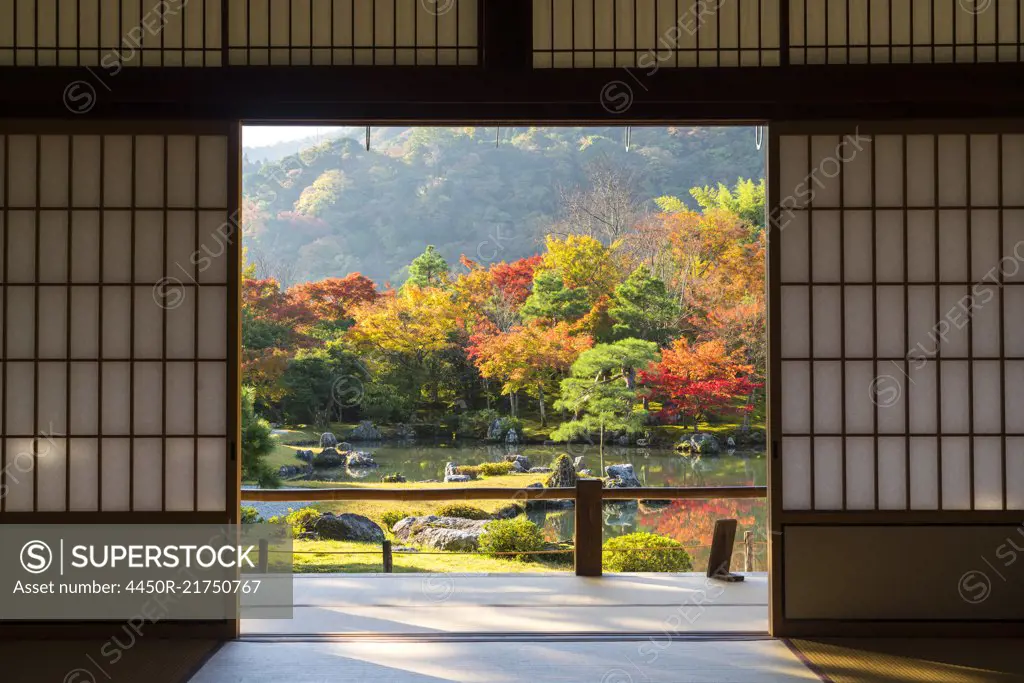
(181, 247)
(889, 392)
(181, 171)
(796, 478)
(988, 473)
(117, 184)
(53, 322)
(952, 170)
(52, 415)
(985, 320)
(116, 398)
(795, 315)
(796, 385)
(53, 176)
(889, 246)
(179, 474)
(828, 382)
(987, 398)
(862, 388)
(985, 254)
(859, 342)
(955, 317)
(180, 312)
(115, 470)
(213, 181)
(953, 246)
(20, 322)
(860, 473)
(924, 474)
(827, 321)
(213, 317)
(826, 169)
(20, 399)
(86, 173)
(117, 252)
(1014, 396)
(179, 398)
(920, 170)
(922, 389)
(84, 392)
(21, 246)
(19, 473)
(956, 473)
(53, 246)
(85, 302)
(51, 470)
(892, 473)
(955, 396)
(149, 248)
(116, 322)
(84, 475)
(857, 169)
(85, 246)
(828, 473)
(889, 321)
(921, 246)
(148, 406)
(147, 474)
(793, 258)
(888, 169)
(857, 257)
(22, 185)
(826, 247)
(212, 474)
(149, 171)
(211, 258)
(212, 398)
(794, 188)
(923, 333)
(1014, 473)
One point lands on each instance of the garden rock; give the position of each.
(328, 440)
(305, 456)
(699, 443)
(405, 432)
(512, 436)
(294, 470)
(365, 431)
(577, 463)
(359, 459)
(621, 476)
(539, 470)
(441, 533)
(347, 527)
(328, 457)
(623, 440)
(494, 430)
(450, 469)
(730, 442)
(393, 479)
(456, 478)
(520, 463)
(564, 475)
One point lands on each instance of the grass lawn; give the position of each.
(322, 562)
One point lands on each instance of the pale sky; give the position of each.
(261, 136)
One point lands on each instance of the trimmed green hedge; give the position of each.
(644, 552)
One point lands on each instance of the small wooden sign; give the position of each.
(721, 551)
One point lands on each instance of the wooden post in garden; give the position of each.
(589, 528)
(389, 562)
(748, 551)
(264, 556)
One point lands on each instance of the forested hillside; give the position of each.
(336, 208)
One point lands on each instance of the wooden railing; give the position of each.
(588, 496)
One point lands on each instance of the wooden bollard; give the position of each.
(589, 527)
(389, 561)
(264, 556)
(748, 551)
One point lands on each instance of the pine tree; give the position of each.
(642, 308)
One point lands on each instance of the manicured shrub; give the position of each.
(644, 552)
(462, 511)
(393, 479)
(392, 517)
(250, 515)
(302, 519)
(518, 535)
(487, 469)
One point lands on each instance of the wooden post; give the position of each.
(589, 527)
(264, 556)
(389, 563)
(748, 551)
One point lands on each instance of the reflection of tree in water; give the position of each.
(560, 525)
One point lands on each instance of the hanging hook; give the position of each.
(367, 138)
(758, 136)
(628, 135)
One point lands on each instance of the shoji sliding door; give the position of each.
(896, 276)
(118, 379)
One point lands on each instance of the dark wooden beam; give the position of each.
(465, 95)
